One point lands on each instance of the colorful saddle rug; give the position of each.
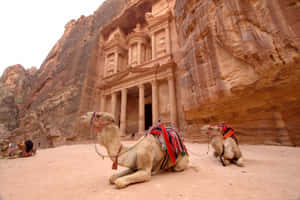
(170, 140)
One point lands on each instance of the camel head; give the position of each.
(211, 130)
(97, 119)
(104, 124)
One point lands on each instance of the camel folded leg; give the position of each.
(139, 176)
(181, 163)
(120, 174)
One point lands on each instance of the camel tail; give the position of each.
(240, 162)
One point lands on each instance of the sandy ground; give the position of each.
(76, 172)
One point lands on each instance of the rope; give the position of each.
(107, 156)
(203, 154)
(140, 140)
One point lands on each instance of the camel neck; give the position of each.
(111, 140)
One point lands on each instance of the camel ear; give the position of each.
(109, 118)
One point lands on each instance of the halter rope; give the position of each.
(121, 146)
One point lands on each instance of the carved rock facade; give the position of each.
(185, 62)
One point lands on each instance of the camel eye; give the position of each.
(98, 116)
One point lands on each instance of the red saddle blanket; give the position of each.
(172, 141)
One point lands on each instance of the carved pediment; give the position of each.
(117, 34)
(156, 20)
(116, 38)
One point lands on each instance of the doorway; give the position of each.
(148, 116)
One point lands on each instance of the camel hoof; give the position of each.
(119, 184)
(111, 180)
(216, 154)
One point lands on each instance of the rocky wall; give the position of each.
(63, 86)
(240, 64)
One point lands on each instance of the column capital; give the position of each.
(154, 83)
(113, 92)
(170, 77)
(141, 85)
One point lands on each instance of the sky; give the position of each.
(30, 28)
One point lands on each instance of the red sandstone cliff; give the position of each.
(240, 64)
(53, 99)
(13, 83)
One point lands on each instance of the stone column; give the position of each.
(141, 109)
(116, 61)
(168, 40)
(113, 103)
(103, 103)
(105, 65)
(153, 46)
(154, 102)
(99, 101)
(139, 49)
(172, 100)
(129, 55)
(123, 111)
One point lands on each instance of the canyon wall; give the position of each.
(52, 100)
(237, 62)
(240, 64)
(13, 82)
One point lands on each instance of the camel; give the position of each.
(13, 150)
(226, 149)
(143, 159)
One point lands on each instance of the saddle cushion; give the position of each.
(170, 140)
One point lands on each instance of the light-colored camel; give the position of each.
(143, 159)
(226, 149)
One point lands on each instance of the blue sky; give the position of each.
(30, 28)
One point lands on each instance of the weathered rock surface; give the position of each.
(13, 83)
(241, 65)
(54, 97)
(238, 62)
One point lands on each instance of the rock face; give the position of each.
(55, 96)
(241, 65)
(237, 61)
(13, 82)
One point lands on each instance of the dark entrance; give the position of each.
(148, 116)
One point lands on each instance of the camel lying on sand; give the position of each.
(12, 150)
(142, 159)
(226, 149)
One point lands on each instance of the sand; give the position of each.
(76, 172)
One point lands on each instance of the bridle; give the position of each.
(101, 124)
(210, 135)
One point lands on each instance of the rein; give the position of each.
(203, 154)
(98, 129)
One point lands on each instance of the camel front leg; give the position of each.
(225, 162)
(139, 176)
(181, 163)
(125, 172)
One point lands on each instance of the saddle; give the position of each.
(170, 141)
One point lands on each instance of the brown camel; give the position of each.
(226, 149)
(143, 159)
